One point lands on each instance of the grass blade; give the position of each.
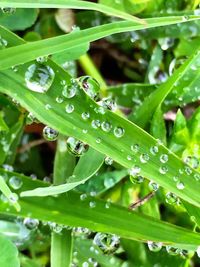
(87, 166)
(73, 4)
(74, 212)
(26, 52)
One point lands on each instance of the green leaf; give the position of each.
(69, 209)
(87, 166)
(20, 54)
(102, 182)
(74, 4)
(158, 129)
(178, 80)
(9, 253)
(180, 134)
(3, 125)
(20, 20)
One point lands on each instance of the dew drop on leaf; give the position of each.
(69, 108)
(69, 91)
(180, 185)
(108, 161)
(15, 182)
(144, 158)
(31, 223)
(154, 150)
(106, 126)
(119, 132)
(90, 86)
(85, 116)
(164, 158)
(3, 43)
(106, 242)
(154, 246)
(39, 77)
(153, 186)
(172, 199)
(136, 179)
(76, 147)
(50, 134)
(8, 10)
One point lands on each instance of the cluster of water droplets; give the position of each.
(8, 10)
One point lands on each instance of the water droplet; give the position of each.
(108, 103)
(108, 161)
(153, 186)
(192, 161)
(90, 86)
(59, 99)
(48, 107)
(180, 185)
(106, 126)
(164, 158)
(98, 140)
(96, 124)
(163, 169)
(135, 148)
(69, 108)
(154, 150)
(144, 158)
(119, 132)
(3, 43)
(107, 205)
(8, 10)
(69, 91)
(50, 134)
(13, 198)
(15, 182)
(172, 199)
(185, 18)
(92, 204)
(85, 115)
(172, 250)
(106, 242)
(76, 147)
(31, 223)
(154, 246)
(42, 59)
(137, 179)
(39, 78)
(83, 197)
(134, 170)
(188, 170)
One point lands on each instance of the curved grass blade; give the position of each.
(87, 166)
(189, 69)
(73, 4)
(69, 209)
(26, 52)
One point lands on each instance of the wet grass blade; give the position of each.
(26, 52)
(189, 69)
(69, 209)
(87, 166)
(73, 4)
